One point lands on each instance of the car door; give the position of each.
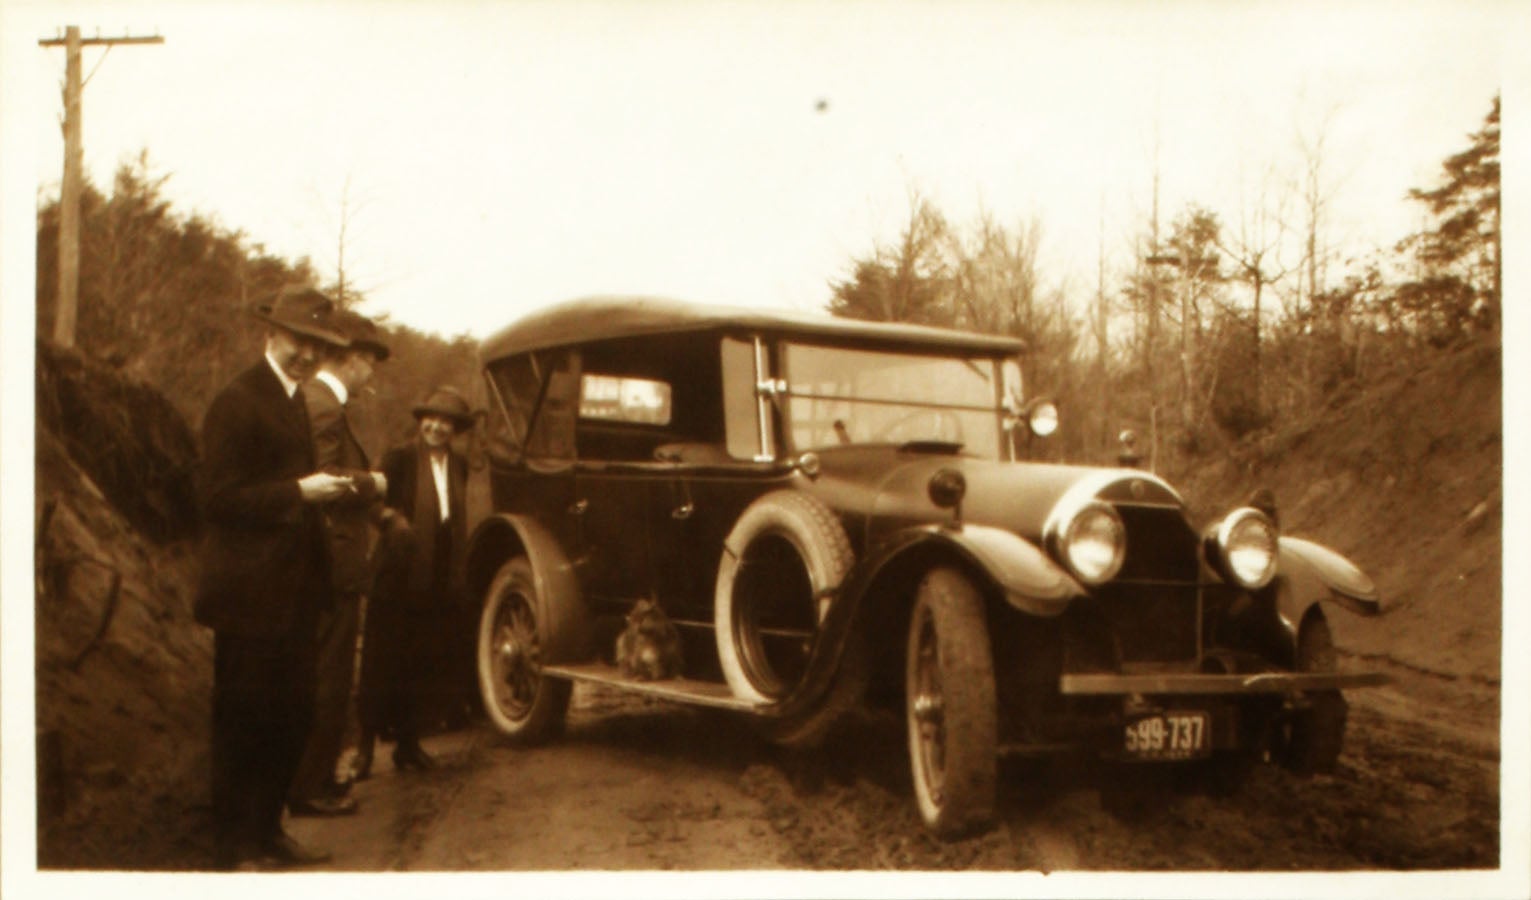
(705, 492)
(615, 483)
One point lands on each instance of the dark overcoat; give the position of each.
(412, 492)
(264, 561)
(349, 521)
(412, 663)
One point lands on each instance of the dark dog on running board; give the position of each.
(648, 649)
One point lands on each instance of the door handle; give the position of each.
(579, 507)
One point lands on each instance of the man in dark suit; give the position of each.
(420, 598)
(350, 525)
(265, 579)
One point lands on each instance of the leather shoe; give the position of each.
(285, 849)
(413, 758)
(324, 806)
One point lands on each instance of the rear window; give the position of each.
(621, 398)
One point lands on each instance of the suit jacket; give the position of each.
(263, 559)
(412, 492)
(349, 522)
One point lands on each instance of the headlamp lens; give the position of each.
(1095, 543)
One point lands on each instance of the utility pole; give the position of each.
(69, 194)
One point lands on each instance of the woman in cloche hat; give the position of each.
(420, 593)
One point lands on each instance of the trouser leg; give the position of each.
(262, 709)
(334, 672)
(231, 759)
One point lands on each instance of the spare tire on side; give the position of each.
(782, 562)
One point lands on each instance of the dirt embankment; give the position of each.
(1403, 477)
(122, 670)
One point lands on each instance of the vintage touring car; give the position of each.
(835, 512)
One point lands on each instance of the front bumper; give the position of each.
(1165, 683)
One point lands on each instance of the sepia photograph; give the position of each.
(691, 448)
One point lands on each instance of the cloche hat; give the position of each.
(305, 311)
(449, 402)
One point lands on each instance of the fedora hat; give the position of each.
(304, 311)
(361, 332)
(449, 402)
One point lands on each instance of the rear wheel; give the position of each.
(521, 702)
(1315, 735)
(949, 705)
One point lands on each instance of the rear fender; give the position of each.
(502, 537)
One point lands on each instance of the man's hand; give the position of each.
(321, 487)
(381, 480)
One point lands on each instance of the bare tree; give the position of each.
(1192, 252)
(345, 287)
(1101, 331)
(1255, 250)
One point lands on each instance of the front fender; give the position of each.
(1341, 581)
(1029, 580)
(501, 537)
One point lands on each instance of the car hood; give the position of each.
(884, 490)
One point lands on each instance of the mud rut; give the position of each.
(640, 784)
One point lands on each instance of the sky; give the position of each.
(486, 158)
(491, 158)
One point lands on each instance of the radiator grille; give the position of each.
(1151, 605)
(1160, 545)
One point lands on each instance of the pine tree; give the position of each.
(1461, 278)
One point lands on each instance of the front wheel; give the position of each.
(523, 704)
(949, 705)
(1314, 737)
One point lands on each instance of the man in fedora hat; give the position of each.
(264, 579)
(350, 524)
(420, 591)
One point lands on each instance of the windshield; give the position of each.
(840, 396)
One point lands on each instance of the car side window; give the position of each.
(621, 398)
(552, 427)
(741, 417)
(516, 384)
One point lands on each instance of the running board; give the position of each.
(680, 690)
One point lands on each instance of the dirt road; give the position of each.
(640, 784)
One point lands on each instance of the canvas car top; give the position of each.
(602, 317)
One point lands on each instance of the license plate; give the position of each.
(1179, 734)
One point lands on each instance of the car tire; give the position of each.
(522, 703)
(949, 706)
(1315, 735)
(783, 559)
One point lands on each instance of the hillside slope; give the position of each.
(122, 682)
(1405, 477)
